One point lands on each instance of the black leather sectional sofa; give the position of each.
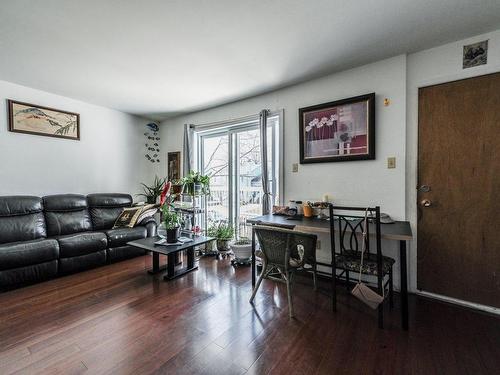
(41, 238)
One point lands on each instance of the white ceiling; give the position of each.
(161, 58)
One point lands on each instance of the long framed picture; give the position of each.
(342, 130)
(35, 119)
(174, 165)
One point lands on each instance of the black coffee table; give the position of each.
(171, 252)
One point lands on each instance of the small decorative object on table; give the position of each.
(308, 209)
(172, 224)
(284, 210)
(170, 218)
(242, 250)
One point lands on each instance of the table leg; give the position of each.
(171, 265)
(156, 264)
(190, 257)
(404, 284)
(253, 258)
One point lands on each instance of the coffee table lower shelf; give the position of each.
(174, 266)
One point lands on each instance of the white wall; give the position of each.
(430, 67)
(365, 182)
(108, 158)
(359, 182)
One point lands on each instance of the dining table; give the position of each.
(397, 231)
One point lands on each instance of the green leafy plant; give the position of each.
(221, 231)
(151, 193)
(171, 218)
(196, 178)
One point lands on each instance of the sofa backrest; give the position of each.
(66, 214)
(105, 208)
(21, 219)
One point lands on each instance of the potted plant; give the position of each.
(195, 183)
(224, 233)
(172, 224)
(151, 193)
(177, 186)
(242, 250)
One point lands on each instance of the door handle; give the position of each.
(425, 203)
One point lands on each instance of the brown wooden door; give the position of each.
(459, 160)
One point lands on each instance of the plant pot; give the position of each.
(242, 252)
(223, 245)
(197, 188)
(177, 189)
(173, 235)
(308, 211)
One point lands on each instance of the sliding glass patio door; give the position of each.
(231, 156)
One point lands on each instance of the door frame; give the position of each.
(235, 126)
(412, 142)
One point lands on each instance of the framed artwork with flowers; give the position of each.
(342, 130)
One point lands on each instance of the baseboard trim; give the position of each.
(455, 301)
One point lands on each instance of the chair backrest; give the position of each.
(279, 244)
(347, 225)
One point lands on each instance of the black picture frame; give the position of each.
(40, 115)
(343, 154)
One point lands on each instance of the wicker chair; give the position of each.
(285, 251)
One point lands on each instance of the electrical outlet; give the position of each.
(318, 244)
(391, 162)
(295, 167)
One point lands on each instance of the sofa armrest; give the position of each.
(151, 225)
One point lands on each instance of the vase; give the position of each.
(308, 210)
(223, 245)
(162, 230)
(197, 188)
(173, 235)
(243, 252)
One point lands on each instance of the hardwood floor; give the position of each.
(118, 319)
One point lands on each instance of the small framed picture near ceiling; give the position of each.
(35, 119)
(174, 165)
(475, 54)
(342, 130)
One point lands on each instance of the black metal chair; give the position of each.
(283, 252)
(348, 222)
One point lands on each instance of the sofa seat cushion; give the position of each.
(16, 277)
(77, 244)
(26, 253)
(82, 262)
(119, 237)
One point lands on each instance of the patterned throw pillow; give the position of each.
(128, 217)
(148, 210)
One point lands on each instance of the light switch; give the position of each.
(391, 162)
(295, 167)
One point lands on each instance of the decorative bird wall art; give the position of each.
(152, 145)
